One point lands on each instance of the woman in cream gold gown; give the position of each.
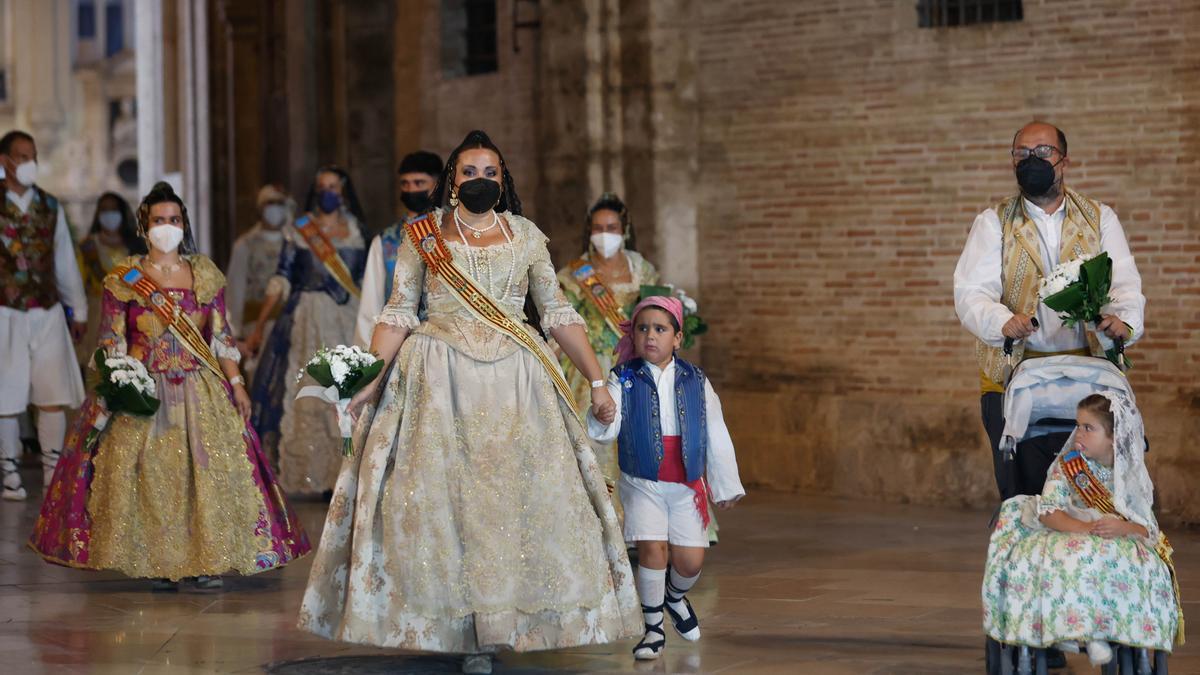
(472, 517)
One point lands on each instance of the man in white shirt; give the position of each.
(1010, 248)
(252, 263)
(419, 173)
(38, 274)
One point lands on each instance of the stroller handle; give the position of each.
(1008, 342)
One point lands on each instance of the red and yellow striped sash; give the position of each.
(426, 237)
(324, 250)
(585, 275)
(179, 323)
(1090, 489)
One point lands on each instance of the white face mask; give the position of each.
(274, 214)
(607, 243)
(26, 173)
(110, 220)
(166, 238)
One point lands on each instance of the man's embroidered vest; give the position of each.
(27, 253)
(1022, 273)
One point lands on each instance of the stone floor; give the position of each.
(799, 584)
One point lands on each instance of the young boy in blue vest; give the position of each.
(670, 434)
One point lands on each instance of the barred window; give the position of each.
(941, 13)
(469, 44)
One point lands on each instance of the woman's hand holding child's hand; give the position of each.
(603, 406)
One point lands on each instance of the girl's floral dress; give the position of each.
(1041, 586)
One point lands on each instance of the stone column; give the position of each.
(565, 148)
(194, 155)
(661, 123)
(244, 140)
(618, 100)
(302, 53)
(580, 125)
(148, 59)
(368, 114)
(674, 105)
(41, 68)
(410, 49)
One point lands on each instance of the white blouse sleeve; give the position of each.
(551, 303)
(235, 286)
(372, 301)
(723, 478)
(407, 283)
(1128, 303)
(67, 278)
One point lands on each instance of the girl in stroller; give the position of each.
(1085, 562)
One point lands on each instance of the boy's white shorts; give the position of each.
(661, 511)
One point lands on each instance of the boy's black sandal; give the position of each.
(684, 628)
(649, 648)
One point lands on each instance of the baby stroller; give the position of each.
(1039, 405)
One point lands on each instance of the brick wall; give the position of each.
(841, 157)
(844, 154)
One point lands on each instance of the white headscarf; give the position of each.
(1133, 493)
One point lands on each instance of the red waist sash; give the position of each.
(672, 470)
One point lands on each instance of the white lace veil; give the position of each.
(1133, 493)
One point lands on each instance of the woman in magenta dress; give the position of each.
(187, 492)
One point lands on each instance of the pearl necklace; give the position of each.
(478, 268)
(476, 231)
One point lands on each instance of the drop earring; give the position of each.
(453, 196)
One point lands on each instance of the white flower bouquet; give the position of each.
(126, 387)
(1078, 291)
(1061, 277)
(341, 372)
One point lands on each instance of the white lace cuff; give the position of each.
(562, 316)
(224, 351)
(278, 286)
(399, 318)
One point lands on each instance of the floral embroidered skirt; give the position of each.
(1042, 586)
(186, 492)
(471, 518)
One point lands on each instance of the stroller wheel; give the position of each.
(1125, 656)
(1039, 662)
(992, 657)
(1024, 660)
(1143, 662)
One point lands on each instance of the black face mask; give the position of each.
(1035, 176)
(479, 195)
(417, 201)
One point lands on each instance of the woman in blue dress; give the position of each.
(320, 268)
